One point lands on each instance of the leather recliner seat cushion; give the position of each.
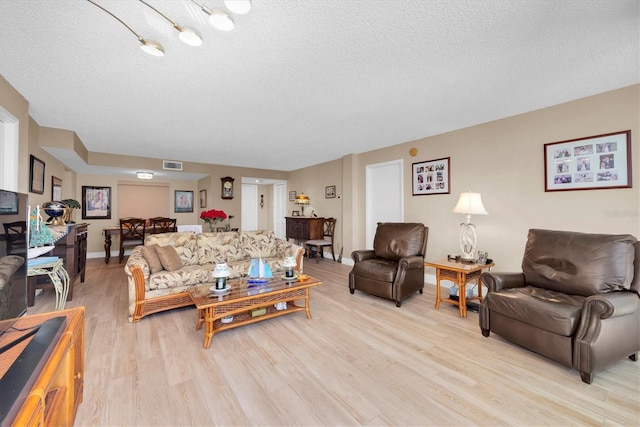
(382, 270)
(578, 263)
(548, 310)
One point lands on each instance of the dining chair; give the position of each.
(16, 237)
(328, 230)
(132, 231)
(162, 224)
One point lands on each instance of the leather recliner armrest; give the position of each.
(604, 306)
(602, 316)
(362, 255)
(497, 281)
(405, 264)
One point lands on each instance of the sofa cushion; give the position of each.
(149, 253)
(578, 263)
(169, 258)
(552, 311)
(258, 244)
(398, 240)
(219, 247)
(185, 244)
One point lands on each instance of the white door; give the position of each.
(384, 201)
(249, 207)
(279, 209)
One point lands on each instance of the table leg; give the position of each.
(437, 287)
(208, 327)
(462, 294)
(306, 303)
(107, 247)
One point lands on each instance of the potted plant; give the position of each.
(71, 205)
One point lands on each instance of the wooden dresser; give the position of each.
(57, 392)
(302, 228)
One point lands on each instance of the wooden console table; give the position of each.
(460, 274)
(72, 249)
(302, 228)
(57, 392)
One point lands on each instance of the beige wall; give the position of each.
(504, 161)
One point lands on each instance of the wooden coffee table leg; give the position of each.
(306, 303)
(200, 319)
(208, 327)
(437, 288)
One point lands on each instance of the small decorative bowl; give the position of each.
(303, 277)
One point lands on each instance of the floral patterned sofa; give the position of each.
(154, 291)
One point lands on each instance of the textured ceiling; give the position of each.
(299, 83)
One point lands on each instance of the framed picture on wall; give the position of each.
(56, 189)
(183, 201)
(203, 198)
(591, 163)
(292, 196)
(431, 177)
(8, 203)
(36, 175)
(330, 192)
(96, 202)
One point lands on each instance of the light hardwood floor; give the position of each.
(359, 361)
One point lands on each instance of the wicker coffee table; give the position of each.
(243, 299)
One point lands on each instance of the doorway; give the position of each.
(384, 196)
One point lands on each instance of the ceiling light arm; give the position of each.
(119, 20)
(148, 46)
(201, 6)
(187, 35)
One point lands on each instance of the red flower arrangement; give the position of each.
(213, 216)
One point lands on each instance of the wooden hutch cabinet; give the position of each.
(301, 228)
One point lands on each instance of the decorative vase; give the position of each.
(212, 227)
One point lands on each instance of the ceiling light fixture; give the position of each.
(144, 175)
(219, 19)
(148, 46)
(187, 35)
(239, 7)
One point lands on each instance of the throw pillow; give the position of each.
(149, 253)
(169, 258)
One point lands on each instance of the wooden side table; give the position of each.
(460, 274)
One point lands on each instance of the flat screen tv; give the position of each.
(13, 257)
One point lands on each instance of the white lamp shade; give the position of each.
(470, 204)
(221, 21)
(221, 270)
(152, 48)
(289, 261)
(238, 6)
(190, 37)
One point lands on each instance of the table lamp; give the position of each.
(469, 204)
(302, 200)
(221, 273)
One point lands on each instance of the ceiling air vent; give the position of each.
(170, 165)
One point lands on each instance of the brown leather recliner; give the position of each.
(576, 300)
(394, 268)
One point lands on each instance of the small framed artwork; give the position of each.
(227, 187)
(56, 189)
(183, 201)
(96, 202)
(36, 175)
(203, 198)
(292, 196)
(591, 163)
(431, 177)
(330, 192)
(8, 203)
(295, 213)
